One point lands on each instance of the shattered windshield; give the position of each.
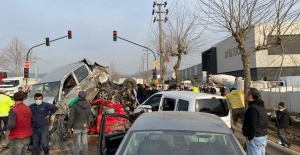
(47, 89)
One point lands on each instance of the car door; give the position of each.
(182, 105)
(167, 104)
(113, 128)
(86, 82)
(153, 101)
(69, 91)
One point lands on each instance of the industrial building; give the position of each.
(225, 57)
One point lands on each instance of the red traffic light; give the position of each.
(114, 35)
(69, 34)
(153, 70)
(26, 64)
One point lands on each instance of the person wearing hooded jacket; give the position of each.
(79, 121)
(255, 126)
(283, 121)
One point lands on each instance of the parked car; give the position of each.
(171, 133)
(187, 101)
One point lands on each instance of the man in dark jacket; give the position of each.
(153, 89)
(79, 121)
(255, 124)
(41, 113)
(283, 121)
(142, 93)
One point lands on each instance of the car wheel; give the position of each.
(105, 94)
(129, 83)
(59, 132)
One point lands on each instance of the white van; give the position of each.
(186, 83)
(187, 101)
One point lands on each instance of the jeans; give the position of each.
(18, 146)
(40, 137)
(281, 136)
(80, 135)
(257, 146)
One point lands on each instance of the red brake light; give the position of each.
(213, 98)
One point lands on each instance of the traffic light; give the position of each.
(26, 72)
(47, 42)
(69, 34)
(154, 74)
(114, 35)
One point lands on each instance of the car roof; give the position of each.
(180, 120)
(58, 73)
(189, 94)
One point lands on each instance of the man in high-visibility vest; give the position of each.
(5, 104)
(195, 89)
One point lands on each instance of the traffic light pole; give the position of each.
(143, 47)
(27, 55)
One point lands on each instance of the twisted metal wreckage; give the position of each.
(61, 86)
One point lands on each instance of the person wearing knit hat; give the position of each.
(79, 122)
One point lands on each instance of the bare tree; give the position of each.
(182, 37)
(240, 17)
(13, 56)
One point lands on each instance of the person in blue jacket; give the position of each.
(41, 114)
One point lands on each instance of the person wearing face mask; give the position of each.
(41, 113)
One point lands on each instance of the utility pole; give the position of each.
(35, 59)
(161, 52)
(143, 66)
(147, 67)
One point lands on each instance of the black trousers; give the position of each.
(238, 113)
(5, 122)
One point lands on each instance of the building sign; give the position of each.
(231, 53)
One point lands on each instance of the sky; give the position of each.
(91, 22)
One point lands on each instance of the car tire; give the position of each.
(104, 94)
(59, 132)
(129, 82)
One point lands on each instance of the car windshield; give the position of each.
(47, 89)
(13, 83)
(215, 106)
(179, 142)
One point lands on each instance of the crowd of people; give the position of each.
(24, 125)
(255, 119)
(30, 124)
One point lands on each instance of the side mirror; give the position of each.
(146, 108)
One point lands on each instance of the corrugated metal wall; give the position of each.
(290, 98)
